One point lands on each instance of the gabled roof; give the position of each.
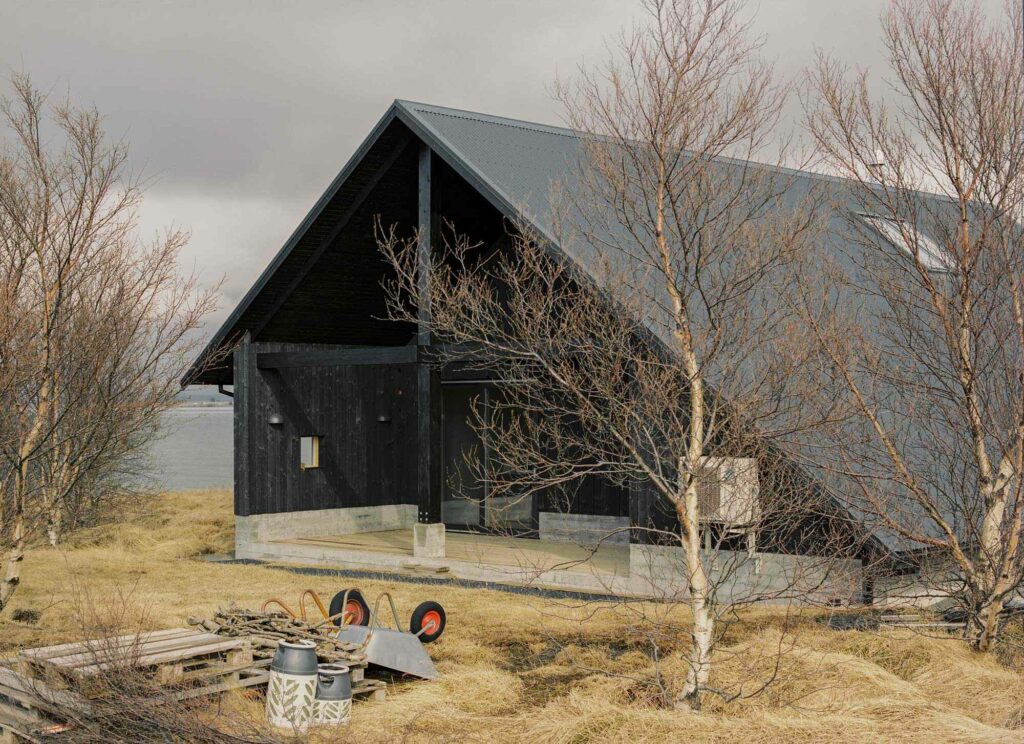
(509, 162)
(512, 163)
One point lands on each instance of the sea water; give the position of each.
(195, 449)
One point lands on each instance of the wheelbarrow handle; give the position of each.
(375, 622)
(316, 600)
(275, 601)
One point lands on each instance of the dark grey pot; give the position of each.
(295, 658)
(334, 682)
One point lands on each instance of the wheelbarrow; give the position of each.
(389, 648)
(385, 647)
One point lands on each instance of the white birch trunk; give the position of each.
(700, 605)
(13, 559)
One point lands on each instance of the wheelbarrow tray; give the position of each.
(391, 649)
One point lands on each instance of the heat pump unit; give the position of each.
(727, 491)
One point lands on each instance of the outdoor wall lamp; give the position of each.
(383, 418)
(275, 419)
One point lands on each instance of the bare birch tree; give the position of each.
(666, 346)
(925, 348)
(97, 324)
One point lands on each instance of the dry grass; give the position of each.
(516, 668)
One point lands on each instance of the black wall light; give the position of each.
(275, 419)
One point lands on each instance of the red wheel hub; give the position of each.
(431, 621)
(354, 613)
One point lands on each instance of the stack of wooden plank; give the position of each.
(31, 710)
(265, 630)
(41, 687)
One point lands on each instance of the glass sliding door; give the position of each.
(467, 502)
(462, 453)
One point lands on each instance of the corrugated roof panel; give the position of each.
(521, 160)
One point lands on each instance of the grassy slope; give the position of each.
(514, 668)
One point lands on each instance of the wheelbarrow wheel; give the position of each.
(357, 612)
(428, 617)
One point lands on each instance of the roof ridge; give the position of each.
(506, 121)
(419, 107)
(803, 171)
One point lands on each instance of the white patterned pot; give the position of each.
(333, 704)
(291, 691)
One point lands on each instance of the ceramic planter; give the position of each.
(291, 691)
(333, 704)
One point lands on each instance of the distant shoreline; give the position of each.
(198, 404)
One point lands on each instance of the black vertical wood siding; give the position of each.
(337, 300)
(364, 460)
(244, 369)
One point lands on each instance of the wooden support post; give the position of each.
(428, 390)
(640, 498)
(168, 674)
(867, 580)
(425, 229)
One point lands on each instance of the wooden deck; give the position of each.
(525, 554)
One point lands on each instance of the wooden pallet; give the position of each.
(37, 689)
(264, 649)
(265, 630)
(177, 654)
(31, 710)
(370, 689)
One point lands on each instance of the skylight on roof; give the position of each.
(930, 253)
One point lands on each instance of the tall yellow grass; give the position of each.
(521, 669)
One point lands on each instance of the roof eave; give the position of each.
(196, 372)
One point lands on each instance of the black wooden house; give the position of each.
(342, 426)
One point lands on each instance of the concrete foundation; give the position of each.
(428, 540)
(261, 528)
(659, 571)
(624, 570)
(934, 583)
(584, 529)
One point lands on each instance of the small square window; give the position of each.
(933, 257)
(309, 452)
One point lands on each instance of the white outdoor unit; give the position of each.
(727, 491)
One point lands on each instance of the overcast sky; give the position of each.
(243, 111)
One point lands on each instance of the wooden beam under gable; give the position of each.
(337, 357)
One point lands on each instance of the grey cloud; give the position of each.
(244, 111)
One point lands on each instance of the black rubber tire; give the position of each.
(354, 597)
(428, 613)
